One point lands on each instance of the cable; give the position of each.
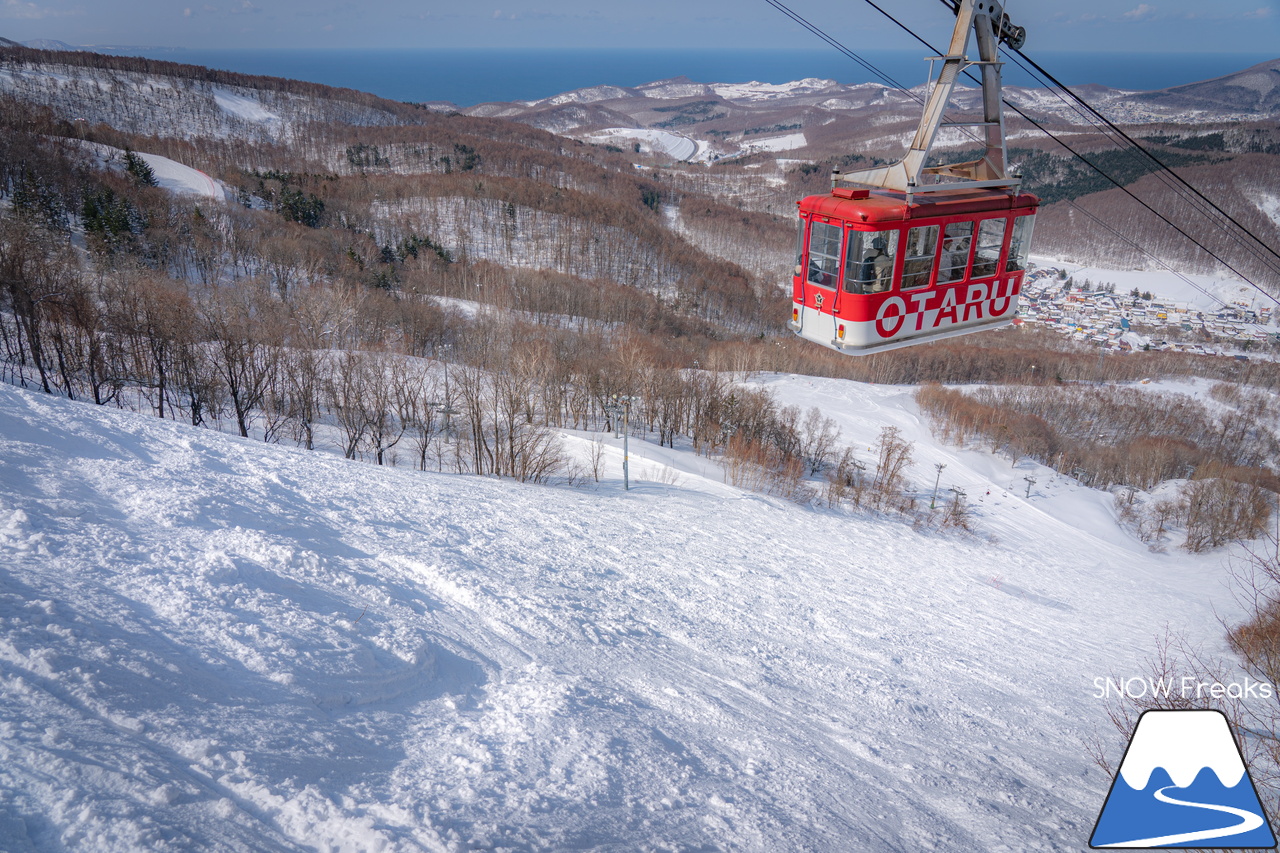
(1163, 173)
(1149, 208)
(1164, 170)
(950, 4)
(799, 19)
(1140, 148)
(1081, 157)
(1134, 245)
(781, 7)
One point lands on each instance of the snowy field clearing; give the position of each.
(1204, 293)
(243, 106)
(1268, 204)
(789, 142)
(170, 175)
(757, 91)
(212, 643)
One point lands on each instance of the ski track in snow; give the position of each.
(211, 643)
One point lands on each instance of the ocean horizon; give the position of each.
(466, 77)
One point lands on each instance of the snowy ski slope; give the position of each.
(211, 643)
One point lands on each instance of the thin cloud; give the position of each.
(1262, 13)
(1143, 12)
(17, 10)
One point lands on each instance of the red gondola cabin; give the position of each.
(904, 253)
(874, 272)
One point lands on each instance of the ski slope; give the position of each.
(182, 179)
(675, 145)
(212, 643)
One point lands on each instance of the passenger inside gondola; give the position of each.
(990, 240)
(869, 267)
(955, 252)
(825, 243)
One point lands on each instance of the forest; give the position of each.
(446, 292)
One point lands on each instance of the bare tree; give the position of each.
(893, 455)
(245, 346)
(345, 385)
(387, 400)
(818, 440)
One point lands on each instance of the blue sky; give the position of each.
(1153, 25)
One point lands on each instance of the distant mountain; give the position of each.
(51, 44)
(1254, 90)
(155, 97)
(4, 42)
(820, 115)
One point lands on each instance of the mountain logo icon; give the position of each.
(1183, 783)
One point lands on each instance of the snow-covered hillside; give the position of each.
(211, 643)
(183, 106)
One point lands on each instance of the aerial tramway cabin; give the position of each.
(876, 272)
(905, 253)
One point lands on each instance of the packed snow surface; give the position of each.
(182, 179)
(788, 142)
(209, 643)
(242, 106)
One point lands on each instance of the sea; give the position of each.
(466, 77)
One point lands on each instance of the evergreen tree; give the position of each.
(300, 207)
(110, 218)
(139, 170)
(35, 201)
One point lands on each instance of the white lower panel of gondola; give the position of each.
(897, 326)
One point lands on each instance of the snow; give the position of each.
(532, 238)
(181, 179)
(673, 90)
(590, 95)
(1204, 293)
(169, 174)
(757, 91)
(243, 106)
(1269, 204)
(788, 142)
(214, 643)
(675, 145)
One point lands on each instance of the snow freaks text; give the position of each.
(1186, 687)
